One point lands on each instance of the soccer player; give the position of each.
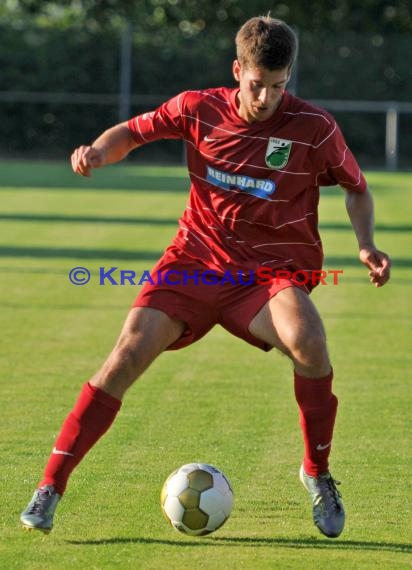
(256, 157)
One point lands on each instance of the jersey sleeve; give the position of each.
(339, 164)
(165, 122)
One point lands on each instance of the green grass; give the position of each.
(219, 401)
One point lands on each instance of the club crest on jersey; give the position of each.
(277, 152)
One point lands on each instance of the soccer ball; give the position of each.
(196, 499)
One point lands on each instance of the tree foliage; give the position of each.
(192, 17)
(348, 50)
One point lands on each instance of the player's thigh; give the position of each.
(147, 332)
(290, 322)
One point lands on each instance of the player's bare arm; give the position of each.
(110, 147)
(360, 211)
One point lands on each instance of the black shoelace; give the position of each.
(332, 491)
(37, 507)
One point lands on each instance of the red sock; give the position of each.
(317, 410)
(91, 417)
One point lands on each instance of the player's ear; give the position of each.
(236, 69)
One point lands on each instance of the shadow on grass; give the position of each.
(378, 227)
(28, 217)
(364, 280)
(88, 219)
(55, 176)
(337, 262)
(298, 543)
(79, 253)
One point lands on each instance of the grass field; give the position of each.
(219, 401)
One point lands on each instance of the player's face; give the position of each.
(261, 91)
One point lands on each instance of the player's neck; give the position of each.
(249, 115)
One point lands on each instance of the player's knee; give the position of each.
(308, 344)
(314, 344)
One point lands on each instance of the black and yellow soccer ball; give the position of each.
(197, 499)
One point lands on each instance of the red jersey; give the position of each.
(254, 187)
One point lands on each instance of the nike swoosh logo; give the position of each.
(322, 447)
(209, 139)
(59, 452)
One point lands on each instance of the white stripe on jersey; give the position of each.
(239, 241)
(198, 238)
(140, 132)
(252, 222)
(325, 139)
(179, 108)
(277, 261)
(306, 113)
(212, 158)
(338, 165)
(343, 182)
(253, 246)
(235, 133)
(287, 243)
(340, 182)
(343, 159)
(199, 233)
(267, 225)
(225, 101)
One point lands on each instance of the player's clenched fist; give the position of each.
(379, 264)
(85, 158)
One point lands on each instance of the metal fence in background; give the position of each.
(57, 92)
(125, 101)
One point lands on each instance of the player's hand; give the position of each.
(378, 263)
(85, 158)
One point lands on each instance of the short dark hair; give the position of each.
(266, 42)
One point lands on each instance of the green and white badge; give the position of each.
(277, 152)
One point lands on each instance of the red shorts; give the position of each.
(202, 303)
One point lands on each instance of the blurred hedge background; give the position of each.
(61, 73)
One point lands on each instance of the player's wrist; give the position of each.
(366, 245)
